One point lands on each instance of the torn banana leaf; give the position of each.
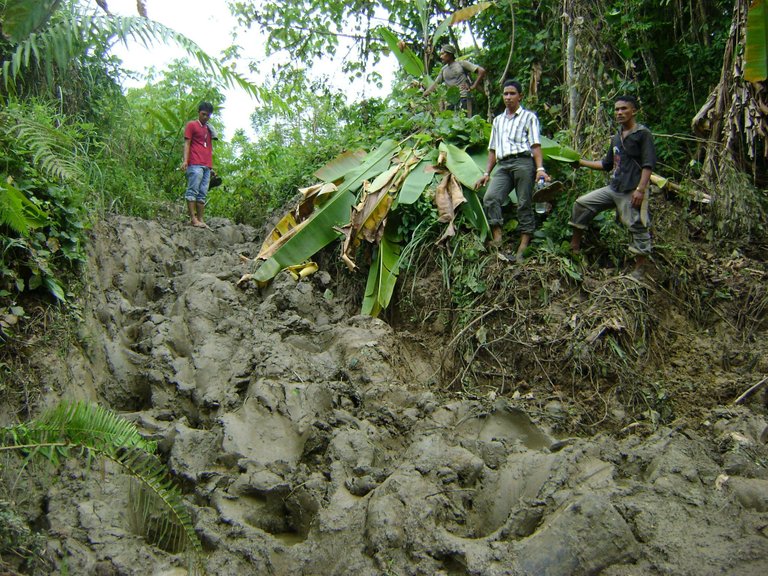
(368, 218)
(459, 16)
(376, 162)
(475, 215)
(460, 164)
(309, 237)
(344, 163)
(321, 226)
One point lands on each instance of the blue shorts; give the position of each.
(198, 178)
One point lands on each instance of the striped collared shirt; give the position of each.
(514, 134)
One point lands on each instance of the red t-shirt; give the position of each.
(200, 151)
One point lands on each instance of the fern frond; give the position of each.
(94, 429)
(53, 151)
(17, 211)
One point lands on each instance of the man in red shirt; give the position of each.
(198, 161)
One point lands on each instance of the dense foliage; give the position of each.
(73, 144)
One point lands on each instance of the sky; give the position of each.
(209, 24)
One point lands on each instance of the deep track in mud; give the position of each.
(309, 440)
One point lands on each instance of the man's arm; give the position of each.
(185, 160)
(639, 193)
(437, 81)
(480, 76)
(594, 164)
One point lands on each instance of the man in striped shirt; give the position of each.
(515, 146)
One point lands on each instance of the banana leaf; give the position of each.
(368, 218)
(337, 168)
(321, 227)
(415, 183)
(280, 233)
(467, 170)
(551, 150)
(375, 163)
(475, 215)
(405, 56)
(756, 50)
(382, 276)
(461, 165)
(315, 233)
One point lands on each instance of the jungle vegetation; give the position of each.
(75, 145)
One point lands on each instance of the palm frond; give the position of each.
(56, 46)
(89, 429)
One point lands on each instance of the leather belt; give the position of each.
(518, 155)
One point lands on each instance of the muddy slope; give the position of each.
(313, 441)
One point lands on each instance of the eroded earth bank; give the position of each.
(313, 441)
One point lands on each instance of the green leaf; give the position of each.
(461, 165)
(340, 166)
(474, 213)
(317, 231)
(17, 211)
(461, 15)
(382, 276)
(552, 150)
(406, 57)
(415, 183)
(55, 289)
(756, 50)
(375, 163)
(71, 429)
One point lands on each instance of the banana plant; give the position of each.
(385, 178)
(320, 228)
(407, 58)
(382, 276)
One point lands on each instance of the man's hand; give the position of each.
(482, 182)
(637, 198)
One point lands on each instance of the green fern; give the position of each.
(54, 151)
(17, 211)
(87, 430)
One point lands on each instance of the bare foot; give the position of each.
(200, 224)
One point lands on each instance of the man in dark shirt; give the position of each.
(631, 158)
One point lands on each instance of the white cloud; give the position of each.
(209, 24)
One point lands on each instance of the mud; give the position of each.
(313, 441)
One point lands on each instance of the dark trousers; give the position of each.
(512, 174)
